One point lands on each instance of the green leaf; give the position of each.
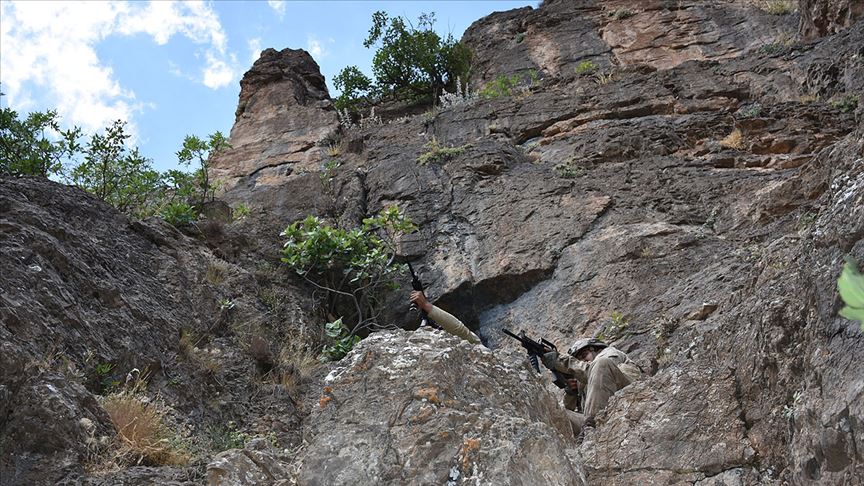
(851, 287)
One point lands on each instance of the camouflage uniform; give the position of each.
(609, 371)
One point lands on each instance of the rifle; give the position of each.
(535, 350)
(417, 285)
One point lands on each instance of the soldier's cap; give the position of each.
(583, 343)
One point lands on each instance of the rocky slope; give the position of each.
(690, 196)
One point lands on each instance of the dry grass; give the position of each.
(334, 150)
(143, 435)
(217, 272)
(734, 140)
(776, 7)
(806, 99)
(294, 365)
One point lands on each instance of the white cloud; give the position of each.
(254, 49)
(278, 6)
(52, 45)
(218, 73)
(316, 48)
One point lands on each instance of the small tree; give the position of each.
(356, 88)
(352, 267)
(413, 63)
(26, 148)
(203, 151)
(119, 176)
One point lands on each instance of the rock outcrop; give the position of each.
(284, 117)
(691, 200)
(87, 296)
(428, 408)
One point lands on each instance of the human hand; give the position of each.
(417, 298)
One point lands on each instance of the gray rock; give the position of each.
(427, 408)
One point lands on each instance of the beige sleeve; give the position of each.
(451, 324)
(572, 366)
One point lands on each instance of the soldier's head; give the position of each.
(586, 349)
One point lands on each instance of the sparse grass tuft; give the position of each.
(240, 212)
(435, 152)
(587, 66)
(777, 7)
(734, 140)
(144, 437)
(847, 103)
(621, 14)
(808, 98)
(602, 78)
(294, 364)
(217, 272)
(568, 170)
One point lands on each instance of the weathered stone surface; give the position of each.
(427, 408)
(686, 432)
(556, 37)
(83, 287)
(283, 112)
(824, 17)
(254, 465)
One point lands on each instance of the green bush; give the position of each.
(354, 268)
(851, 287)
(343, 341)
(410, 63)
(25, 149)
(846, 104)
(356, 88)
(203, 151)
(587, 66)
(117, 175)
(435, 152)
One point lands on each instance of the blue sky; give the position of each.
(173, 68)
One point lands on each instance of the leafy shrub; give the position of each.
(117, 175)
(178, 213)
(587, 66)
(410, 63)
(621, 14)
(343, 341)
(356, 89)
(504, 85)
(435, 152)
(851, 287)
(751, 111)
(203, 151)
(25, 149)
(567, 170)
(240, 212)
(353, 267)
(847, 103)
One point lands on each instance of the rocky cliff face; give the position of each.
(691, 199)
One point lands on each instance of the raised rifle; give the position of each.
(535, 350)
(417, 285)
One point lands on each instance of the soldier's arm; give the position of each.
(451, 324)
(572, 366)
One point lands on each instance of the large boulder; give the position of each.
(424, 407)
